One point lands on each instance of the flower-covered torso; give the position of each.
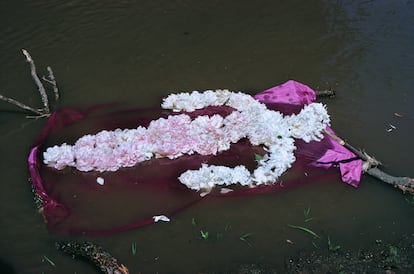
(178, 134)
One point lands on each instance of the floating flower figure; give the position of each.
(178, 135)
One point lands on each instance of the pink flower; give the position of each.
(85, 158)
(170, 137)
(208, 134)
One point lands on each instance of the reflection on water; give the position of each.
(105, 51)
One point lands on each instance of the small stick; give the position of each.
(39, 84)
(52, 81)
(45, 111)
(324, 93)
(405, 184)
(362, 155)
(20, 105)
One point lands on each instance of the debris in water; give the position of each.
(391, 128)
(100, 181)
(161, 218)
(94, 254)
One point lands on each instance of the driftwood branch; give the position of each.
(39, 84)
(45, 111)
(51, 80)
(405, 184)
(370, 161)
(20, 105)
(370, 167)
(94, 254)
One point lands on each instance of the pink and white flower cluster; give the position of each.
(177, 135)
(261, 126)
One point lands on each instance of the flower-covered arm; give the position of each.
(195, 100)
(309, 123)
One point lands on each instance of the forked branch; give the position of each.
(45, 111)
(370, 166)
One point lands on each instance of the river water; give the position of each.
(135, 52)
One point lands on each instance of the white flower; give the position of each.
(100, 181)
(178, 135)
(59, 156)
(160, 218)
(309, 123)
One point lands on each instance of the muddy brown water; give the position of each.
(138, 51)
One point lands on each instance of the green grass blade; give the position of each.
(134, 248)
(245, 237)
(307, 230)
(49, 260)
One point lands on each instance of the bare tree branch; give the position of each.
(45, 111)
(52, 81)
(405, 184)
(39, 84)
(21, 105)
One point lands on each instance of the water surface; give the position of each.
(135, 52)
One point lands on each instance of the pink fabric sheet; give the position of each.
(68, 194)
(295, 93)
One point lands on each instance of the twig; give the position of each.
(52, 81)
(45, 111)
(325, 93)
(39, 84)
(20, 105)
(95, 254)
(371, 161)
(405, 184)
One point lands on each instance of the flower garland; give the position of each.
(177, 135)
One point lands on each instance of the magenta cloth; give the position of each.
(74, 203)
(291, 93)
(295, 93)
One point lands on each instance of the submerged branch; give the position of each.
(405, 184)
(370, 161)
(45, 111)
(20, 105)
(39, 84)
(94, 254)
(52, 81)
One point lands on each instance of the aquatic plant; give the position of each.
(332, 247)
(245, 238)
(306, 213)
(204, 234)
(134, 248)
(45, 258)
